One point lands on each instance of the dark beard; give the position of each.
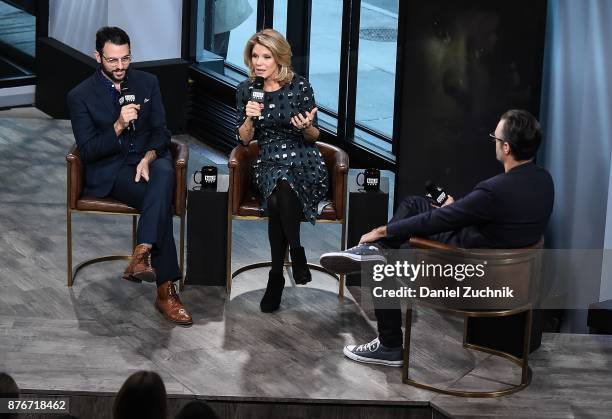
(111, 76)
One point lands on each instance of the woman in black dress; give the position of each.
(289, 172)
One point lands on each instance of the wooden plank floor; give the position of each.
(89, 338)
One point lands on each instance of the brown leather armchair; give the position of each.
(244, 199)
(517, 268)
(87, 204)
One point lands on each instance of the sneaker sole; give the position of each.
(366, 360)
(346, 263)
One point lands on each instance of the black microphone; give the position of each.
(257, 93)
(435, 194)
(127, 98)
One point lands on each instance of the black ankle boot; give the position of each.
(274, 291)
(301, 273)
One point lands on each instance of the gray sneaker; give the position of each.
(375, 353)
(350, 260)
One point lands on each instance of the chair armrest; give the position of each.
(339, 183)
(239, 164)
(420, 243)
(74, 176)
(180, 157)
(337, 162)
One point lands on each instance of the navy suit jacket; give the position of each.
(93, 114)
(510, 210)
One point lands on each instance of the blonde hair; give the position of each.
(280, 49)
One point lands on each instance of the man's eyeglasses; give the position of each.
(493, 138)
(115, 61)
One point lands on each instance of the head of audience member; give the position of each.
(8, 390)
(142, 396)
(113, 52)
(267, 54)
(517, 137)
(196, 410)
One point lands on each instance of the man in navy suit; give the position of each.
(510, 210)
(125, 150)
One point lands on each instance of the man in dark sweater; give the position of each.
(510, 210)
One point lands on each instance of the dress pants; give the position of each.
(153, 199)
(390, 319)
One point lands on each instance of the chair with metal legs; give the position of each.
(76, 203)
(517, 268)
(244, 201)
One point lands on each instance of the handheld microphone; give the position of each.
(435, 194)
(257, 93)
(126, 98)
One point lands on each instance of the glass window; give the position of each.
(376, 69)
(17, 41)
(326, 33)
(224, 26)
(243, 14)
(280, 16)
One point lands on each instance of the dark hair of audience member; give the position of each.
(142, 396)
(196, 410)
(8, 386)
(8, 390)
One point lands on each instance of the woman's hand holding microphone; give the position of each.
(253, 109)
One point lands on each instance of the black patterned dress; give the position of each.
(284, 154)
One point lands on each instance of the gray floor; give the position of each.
(91, 337)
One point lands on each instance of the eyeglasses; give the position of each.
(494, 138)
(115, 61)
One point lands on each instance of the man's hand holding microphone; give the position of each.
(128, 114)
(129, 110)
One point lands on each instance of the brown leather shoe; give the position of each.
(140, 268)
(169, 304)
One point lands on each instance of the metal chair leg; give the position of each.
(526, 373)
(228, 251)
(69, 246)
(509, 389)
(342, 277)
(406, 351)
(182, 251)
